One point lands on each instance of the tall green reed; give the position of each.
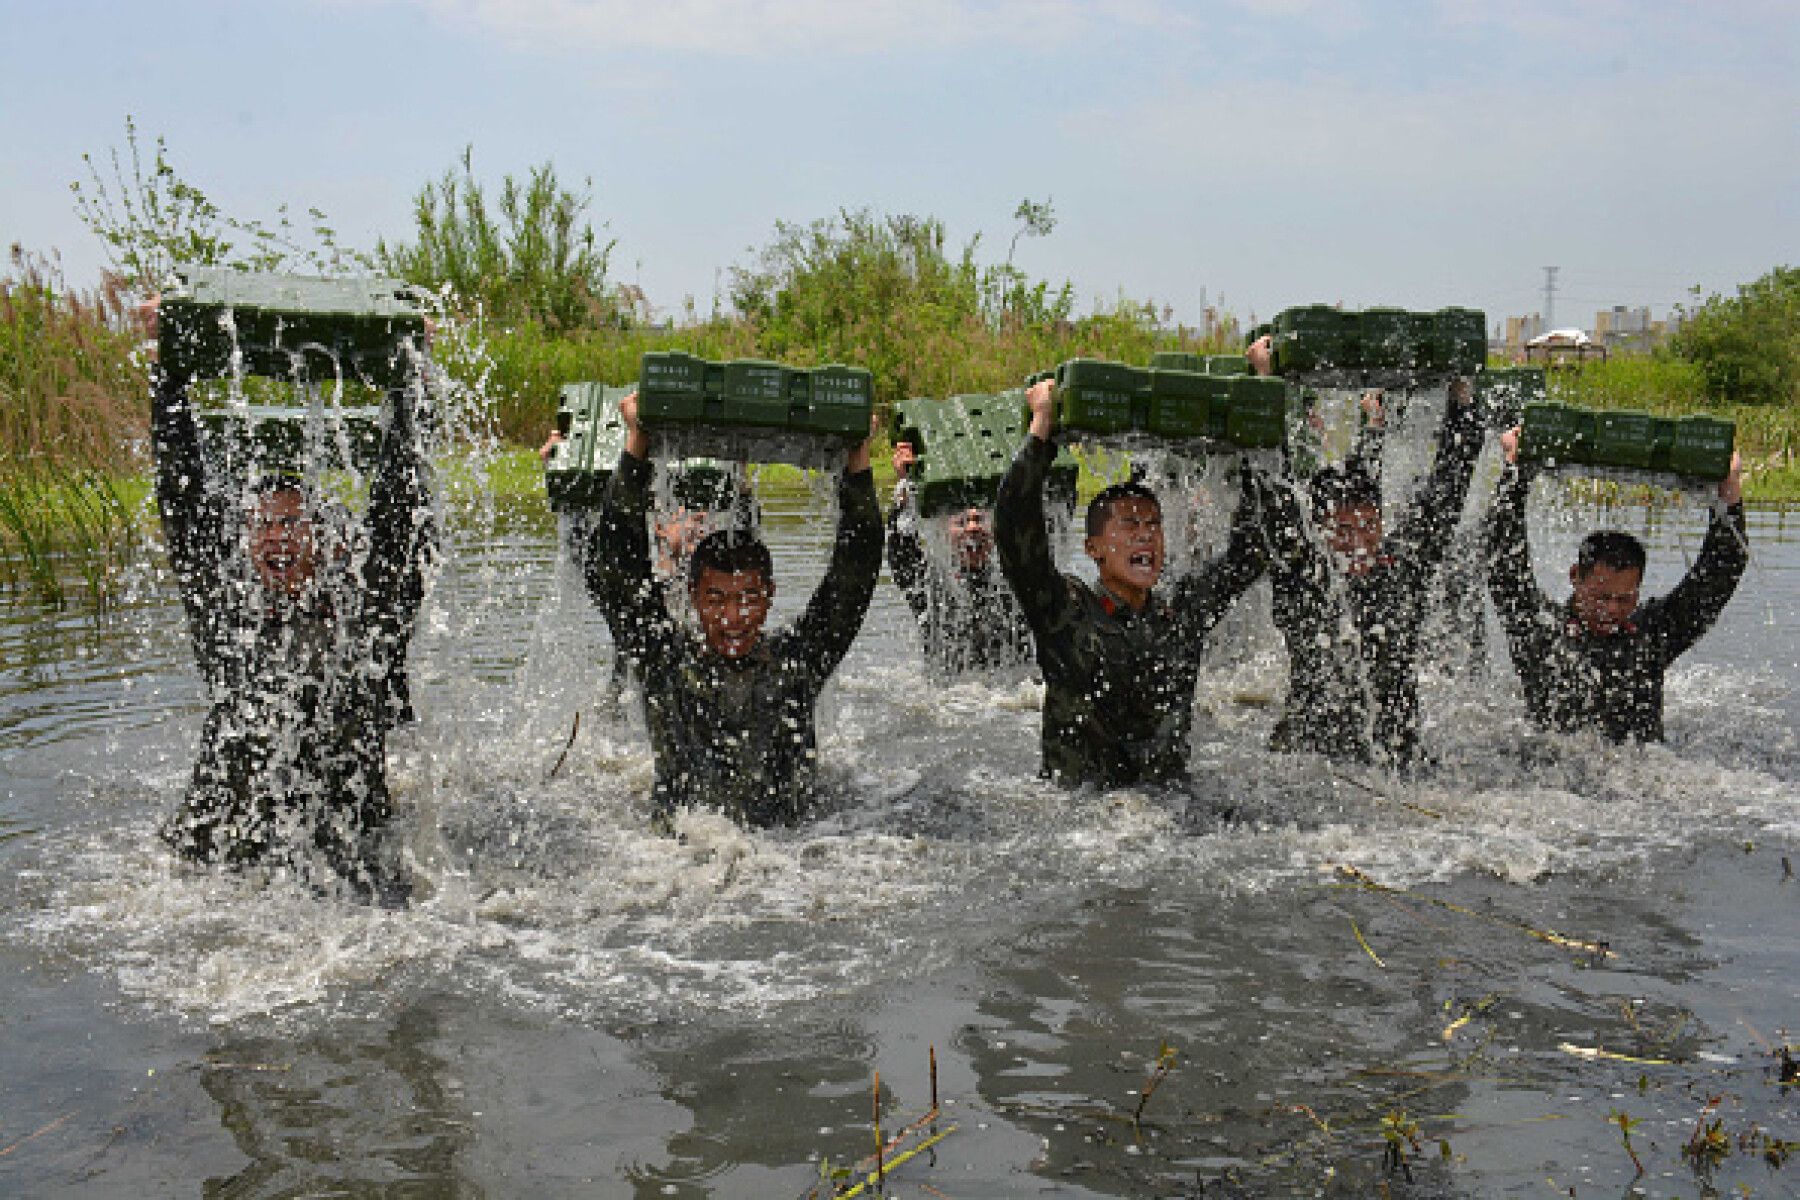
(72, 432)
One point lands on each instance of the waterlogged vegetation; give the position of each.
(72, 425)
(522, 274)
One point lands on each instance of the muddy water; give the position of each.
(577, 1007)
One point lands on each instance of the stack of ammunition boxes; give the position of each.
(579, 467)
(752, 411)
(1377, 347)
(220, 324)
(964, 445)
(1626, 444)
(1200, 364)
(1106, 400)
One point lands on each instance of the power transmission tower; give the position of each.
(1550, 298)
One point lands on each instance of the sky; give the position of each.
(1253, 154)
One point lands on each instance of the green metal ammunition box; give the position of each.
(1502, 394)
(1100, 398)
(1227, 364)
(1256, 412)
(675, 388)
(291, 439)
(1177, 360)
(1458, 341)
(1314, 338)
(1390, 340)
(1556, 435)
(579, 468)
(215, 323)
(1701, 448)
(760, 393)
(1183, 403)
(748, 410)
(1624, 439)
(576, 474)
(966, 443)
(840, 401)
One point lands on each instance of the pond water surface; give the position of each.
(576, 1006)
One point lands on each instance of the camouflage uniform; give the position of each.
(1353, 640)
(293, 749)
(968, 620)
(1118, 683)
(733, 734)
(1575, 679)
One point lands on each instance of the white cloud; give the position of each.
(752, 27)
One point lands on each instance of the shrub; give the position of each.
(537, 261)
(1748, 345)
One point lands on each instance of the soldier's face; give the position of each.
(1128, 550)
(971, 538)
(1354, 534)
(731, 607)
(283, 550)
(1604, 597)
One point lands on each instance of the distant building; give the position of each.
(1616, 329)
(1519, 331)
(1622, 328)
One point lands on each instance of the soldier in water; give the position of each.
(730, 711)
(1119, 659)
(1351, 610)
(300, 629)
(968, 619)
(1597, 661)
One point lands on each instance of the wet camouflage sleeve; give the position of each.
(618, 574)
(1687, 612)
(1526, 614)
(402, 532)
(1423, 537)
(192, 517)
(834, 615)
(1023, 540)
(906, 553)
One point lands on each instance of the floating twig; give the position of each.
(1361, 879)
(1364, 943)
(40, 1133)
(880, 1172)
(1165, 1062)
(897, 1161)
(1469, 1013)
(573, 730)
(1595, 1053)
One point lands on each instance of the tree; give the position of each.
(1747, 345)
(535, 259)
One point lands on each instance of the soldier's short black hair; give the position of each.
(275, 485)
(732, 551)
(1100, 508)
(1610, 548)
(1340, 487)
